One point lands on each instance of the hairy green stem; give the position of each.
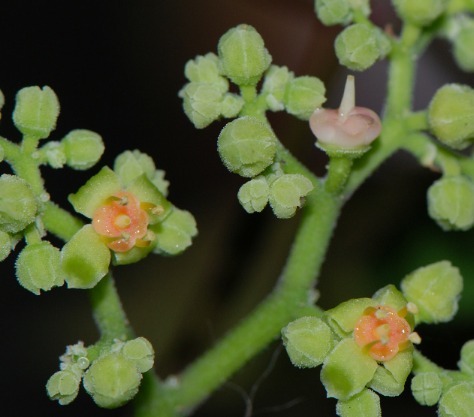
(60, 222)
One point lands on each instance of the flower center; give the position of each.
(122, 222)
(383, 332)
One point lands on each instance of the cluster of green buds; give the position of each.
(365, 345)
(248, 145)
(111, 376)
(130, 213)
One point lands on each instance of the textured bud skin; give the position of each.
(458, 401)
(247, 146)
(451, 203)
(463, 51)
(304, 95)
(307, 340)
(202, 103)
(390, 296)
(466, 363)
(451, 115)
(83, 148)
(358, 47)
(390, 376)
(427, 388)
(274, 86)
(333, 12)
(435, 290)
(347, 370)
(175, 233)
(36, 111)
(420, 13)
(55, 155)
(287, 193)
(140, 352)
(63, 386)
(366, 404)
(231, 105)
(85, 259)
(205, 69)
(243, 55)
(344, 316)
(38, 267)
(130, 165)
(112, 380)
(253, 195)
(5, 245)
(17, 204)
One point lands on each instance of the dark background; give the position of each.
(116, 67)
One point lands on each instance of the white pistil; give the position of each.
(348, 98)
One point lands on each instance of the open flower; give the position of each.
(130, 219)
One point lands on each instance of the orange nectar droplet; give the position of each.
(121, 221)
(382, 332)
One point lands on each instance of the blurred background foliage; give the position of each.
(117, 67)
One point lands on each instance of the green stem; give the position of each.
(60, 222)
(293, 292)
(338, 173)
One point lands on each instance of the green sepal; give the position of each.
(83, 148)
(38, 267)
(307, 340)
(458, 401)
(85, 259)
(287, 194)
(390, 296)
(435, 290)
(36, 111)
(274, 86)
(112, 380)
(63, 386)
(347, 370)
(53, 153)
(95, 192)
(253, 195)
(366, 404)
(131, 256)
(175, 233)
(390, 377)
(466, 361)
(18, 205)
(426, 388)
(344, 317)
(140, 352)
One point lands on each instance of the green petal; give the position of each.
(364, 404)
(347, 370)
(389, 379)
(390, 296)
(95, 191)
(85, 259)
(175, 234)
(344, 317)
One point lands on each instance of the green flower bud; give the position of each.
(85, 259)
(202, 103)
(63, 386)
(17, 204)
(175, 233)
(83, 148)
(54, 154)
(253, 195)
(307, 340)
(390, 376)
(231, 105)
(205, 69)
(420, 13)
(427, 388)
(463, 52)
(435, 290)
(466, 362)
(366, 403)
(274, 86)
(247, 146)
(6, 245)
(451, 115)
(129, 165)
(347, 370)
(38, 267)
(287, 194)
(358, 46)
(451, 203)
(243, 55)
(36, 111)
(304, 95)
(140, 352)
(333, 12)
(112, 380)
(344, 316)
(458, 401)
